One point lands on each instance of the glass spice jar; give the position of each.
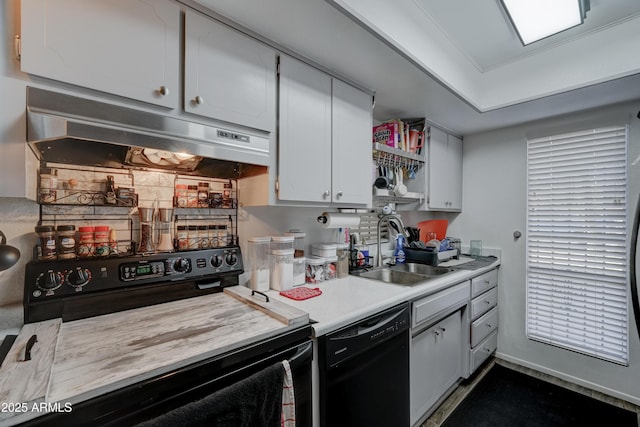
(181, 196)
(203, 194)
(66, 241)
(47, 239)
(182, 238)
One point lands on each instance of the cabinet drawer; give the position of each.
(427, 308)
(484, 302)
(484, 326)
(484, 282)
(485, 349)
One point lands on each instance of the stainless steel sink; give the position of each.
(423, 269)
(393, 276)
(405, 274)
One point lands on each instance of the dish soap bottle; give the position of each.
(399, 253)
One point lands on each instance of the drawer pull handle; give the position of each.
(437, 332)
(442, 329)
(487, 282)
(488, 325)
(488, 350)
(488, 302)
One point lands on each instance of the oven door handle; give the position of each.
(303, 354)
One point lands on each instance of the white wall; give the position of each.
(494, 189)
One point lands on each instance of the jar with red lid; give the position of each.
(86, 243)
(101, 240)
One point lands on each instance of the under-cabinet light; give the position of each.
(537, 19)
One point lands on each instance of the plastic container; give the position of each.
(47, 239)
(314, 272)
(324, 249)
(101, 240)
(281, 266)
(298, 242)
(86, 243)
(48, 185)
(258, 257)
(342, 266)
(282, 242)
(299, 268)
(330, 268)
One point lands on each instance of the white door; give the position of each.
(228, 76)
(304, 145)
(351, 145)
(129, 48)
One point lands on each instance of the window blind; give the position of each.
(577, 257)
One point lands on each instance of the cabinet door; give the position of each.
(445, 171)
(436, 363)
(124, 47)
(228, 76)
(351, 143)
(304, 146)
(454, 160)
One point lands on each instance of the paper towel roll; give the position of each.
(339, 220)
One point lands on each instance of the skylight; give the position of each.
(537, 19)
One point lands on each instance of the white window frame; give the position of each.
(577, 243)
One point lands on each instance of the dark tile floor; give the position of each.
(443, 411)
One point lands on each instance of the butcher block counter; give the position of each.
(74, 361)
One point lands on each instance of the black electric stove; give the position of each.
(86, 287)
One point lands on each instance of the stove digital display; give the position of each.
(143, 269)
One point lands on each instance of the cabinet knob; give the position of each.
(326, 194)
(339, 193)
(443, 329)
(437, 332)
(488, 302)
(198, 100)
(488, 325)
(164, 91)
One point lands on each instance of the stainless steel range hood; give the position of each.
(72, 130)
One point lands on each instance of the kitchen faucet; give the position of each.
(388, 217)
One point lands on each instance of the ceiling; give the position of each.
(456, 62)
(481, 31)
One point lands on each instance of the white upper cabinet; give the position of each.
(351, 144)
(228, 76)
(325, 138)
(129, 48)
(304, 145)
(445, 171)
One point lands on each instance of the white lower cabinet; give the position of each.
(436, 363)
(483, 320)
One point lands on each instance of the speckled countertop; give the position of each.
(345, 301)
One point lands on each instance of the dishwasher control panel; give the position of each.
(367, 333)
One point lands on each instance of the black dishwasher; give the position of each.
(364, 372)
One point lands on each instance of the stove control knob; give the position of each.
(231, 259)
(181, 265)
(49, 281)
(78, 277)
(217, 261)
